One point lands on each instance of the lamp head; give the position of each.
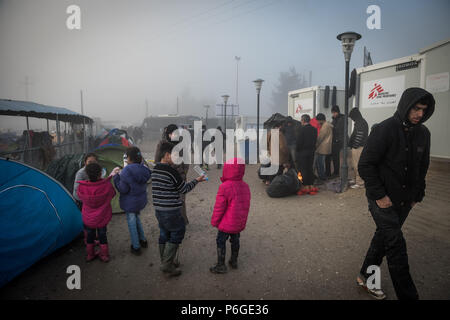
(258, 84)
(225, 98)
(348, 40)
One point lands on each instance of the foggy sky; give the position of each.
(129, 51)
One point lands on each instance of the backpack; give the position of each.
(284, 185)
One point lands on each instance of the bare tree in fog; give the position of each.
(287, 81)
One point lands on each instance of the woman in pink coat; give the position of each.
(96, 195)
(230, 212)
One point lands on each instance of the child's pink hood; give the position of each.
(233, 169)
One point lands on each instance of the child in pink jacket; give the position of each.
(96, 195)
(230, 212)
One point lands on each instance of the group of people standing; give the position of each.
(317, 146)
(169, 186)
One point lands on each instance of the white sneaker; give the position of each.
(374, 293)
(356, 186)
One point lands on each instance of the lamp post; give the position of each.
(348, 40)
(207, 108)
(225, 100)
(258, 85)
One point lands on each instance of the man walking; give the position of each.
(357, 141)
(393, 165)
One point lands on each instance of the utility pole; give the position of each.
(27, 83)
(84, 127)
(237, 78)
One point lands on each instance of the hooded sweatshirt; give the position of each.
(96, 198)
(360, 130)
(232, 200)
(132, 185)
(396, 157)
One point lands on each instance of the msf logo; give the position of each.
(375, 91)
(299, 108)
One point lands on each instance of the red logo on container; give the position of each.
(375, 91)
(299, 108)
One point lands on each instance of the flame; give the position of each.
(299, 176)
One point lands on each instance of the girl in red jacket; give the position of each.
(96, 195)
(230, 212)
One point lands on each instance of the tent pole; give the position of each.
(58, 135)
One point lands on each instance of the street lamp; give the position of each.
(348, 40)
(225, 100)
(258, 85)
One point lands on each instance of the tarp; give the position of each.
(116, 137)
(35, 110)
(37, 216)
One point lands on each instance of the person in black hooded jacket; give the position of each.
(357, 141)
(393, 165)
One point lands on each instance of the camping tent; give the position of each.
(37, 216)
(110, 157)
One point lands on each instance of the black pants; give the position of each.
(92, 232)
(388, 241)
(335, 157)
(222, 238)
(305, 166)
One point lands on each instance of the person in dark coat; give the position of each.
(338, 142)
(306, 147)
(393, 165)
(357, 141)
(131, 183)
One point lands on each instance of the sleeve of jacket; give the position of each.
(120, 182)
(424, 164)
(371, 157)
(352, 137)
(75, 185)
(220, 207)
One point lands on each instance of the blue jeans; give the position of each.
(171, 226)
(320, 165)
(135, 228)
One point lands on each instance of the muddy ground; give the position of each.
(308, 247)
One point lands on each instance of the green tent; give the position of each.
(110, 157)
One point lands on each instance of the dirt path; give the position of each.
(308, 247)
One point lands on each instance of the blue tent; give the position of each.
(37, 216)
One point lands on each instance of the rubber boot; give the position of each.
(220, 267)
(176, 260)
(167, 261)
(104, 252)
(90, 250)
(162, 246)
(233, 259)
